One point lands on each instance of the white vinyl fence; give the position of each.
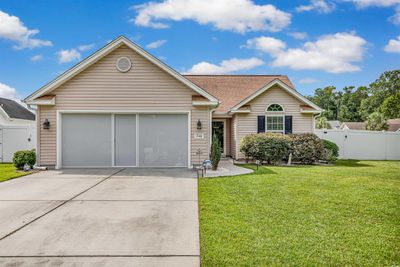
(355, 144)
(14, 138)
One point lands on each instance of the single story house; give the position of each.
(353, 126)
(17, 129)
(122, 106)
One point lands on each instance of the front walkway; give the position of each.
(227, 168)
(104, 217)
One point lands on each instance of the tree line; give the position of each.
(373, 104)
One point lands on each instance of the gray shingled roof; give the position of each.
(15, 110)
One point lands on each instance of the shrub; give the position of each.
(266, 147)
(331, 151)
(307, 148)
(215, 153)
(23, 157)
(246, 145)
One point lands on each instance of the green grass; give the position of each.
(8, 171)
(347, 214)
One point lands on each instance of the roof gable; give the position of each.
(232, 89)
(284, 86)
(92, 59)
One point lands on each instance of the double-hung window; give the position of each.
(275, 119)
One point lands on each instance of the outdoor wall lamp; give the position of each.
(199, 125)
(46, 124)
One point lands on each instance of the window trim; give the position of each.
(267, 111)
(275, 131)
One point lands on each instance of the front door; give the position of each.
(218, 130)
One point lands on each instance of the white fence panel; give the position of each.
(354, 144)
(14, 138)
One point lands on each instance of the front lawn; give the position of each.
(8, 171)
(348, 214)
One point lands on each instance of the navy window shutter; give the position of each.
(261, 124)
(288, 124)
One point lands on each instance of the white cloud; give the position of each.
(233, 15)
(298, 35)
(308, 81)
(85, 47)
(320, 6)
(378, 3)
(37, 58)
(8, 92)
(65, 56)
(395, 19)
(393, 45)
(156, 44)
(334, 53)
(266, 44)
(226, 66)
(13, 29)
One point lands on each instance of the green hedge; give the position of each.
(24, 156)
(331, 151)
(305, 148)
(266, 147)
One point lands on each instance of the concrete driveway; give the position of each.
(102, 217)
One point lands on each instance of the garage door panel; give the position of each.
(86, 140)
(163, 140)
(125, 140)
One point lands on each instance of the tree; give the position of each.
(350, 103)
(391, 106)
(386, 85)
(322, 123)
(215, 153)
(328, 99)
(376, 122)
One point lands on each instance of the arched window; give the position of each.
(275, 119)
(275, 108)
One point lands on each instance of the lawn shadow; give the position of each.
(257, 171)
(350, 163)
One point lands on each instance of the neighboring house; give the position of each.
(394, 125)
(334, 124)
(12, 113)
(17, 129)
(353, 126)
(123, 107)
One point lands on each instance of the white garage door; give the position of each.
(105, 140)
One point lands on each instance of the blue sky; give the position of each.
(316, 43)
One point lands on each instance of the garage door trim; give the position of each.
(112, 117)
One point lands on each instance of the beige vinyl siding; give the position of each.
(47, 138)
(201, 144)
(247, 123)
(145, 87)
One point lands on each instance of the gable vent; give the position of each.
(124, 64)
